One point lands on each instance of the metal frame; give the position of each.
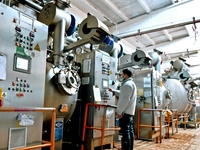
(10, 135)
(161, 126)
(50, 143)
(102, 128)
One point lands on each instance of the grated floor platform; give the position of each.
(188, 139)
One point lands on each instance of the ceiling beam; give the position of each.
(189, 29)
(146, 36)
(192, 60)
(136, 42)
(144, 6)
(97, 13)
(161, 19)
(115, 9)
(167, 35)
(176, 46)
(128, 47)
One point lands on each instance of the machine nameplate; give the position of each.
(86, 65)
(85, 80)
(106, 59)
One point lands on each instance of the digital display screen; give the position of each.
(22, 63)
(105, 83)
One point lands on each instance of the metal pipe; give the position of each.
(117, 48)
(156, 60)
(130, 64)
(35, 146)
(51, 15)
(84, 126)
(127, 35)
(31, 5)
(27, 109)
(58, 43)
(71, 39)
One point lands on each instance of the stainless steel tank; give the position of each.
(179, 95)
(54, 97)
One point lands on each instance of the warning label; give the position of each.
(37, 47)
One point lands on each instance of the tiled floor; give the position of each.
(188, 139)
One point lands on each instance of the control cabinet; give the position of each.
(23, 43)
(98, 70)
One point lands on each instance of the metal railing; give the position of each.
(160, 126)
(50, 143)
(102, 128)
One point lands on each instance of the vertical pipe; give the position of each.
(156, 60)
(115, 55)
(58, 42)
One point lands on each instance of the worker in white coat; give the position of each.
(126, 109)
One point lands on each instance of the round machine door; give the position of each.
(70, 82)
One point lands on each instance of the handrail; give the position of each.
(50, 143)
(173, 120)
(95, 128)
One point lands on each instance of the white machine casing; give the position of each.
(26, 37)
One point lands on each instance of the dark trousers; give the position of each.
(127, 131)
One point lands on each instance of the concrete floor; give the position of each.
(188, 139)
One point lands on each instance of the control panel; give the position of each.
(98, 70)
(24, 40)
(23, 44)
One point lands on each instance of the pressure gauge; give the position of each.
(78, 50)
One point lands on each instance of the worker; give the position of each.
(126, 108)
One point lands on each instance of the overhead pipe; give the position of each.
(127, 35)
(31, 4)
